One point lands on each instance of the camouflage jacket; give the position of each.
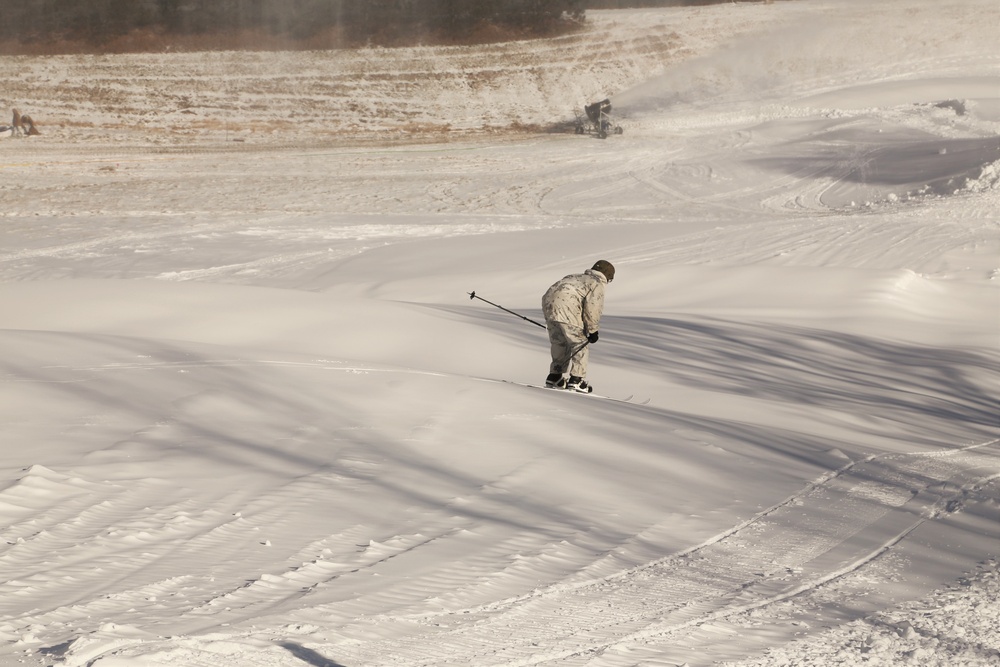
(577, 300)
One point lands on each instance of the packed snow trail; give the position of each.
(857, 514)
(659, 610)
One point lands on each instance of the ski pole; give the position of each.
(575, 352)
(473, 295)
(569, 359)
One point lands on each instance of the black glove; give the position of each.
(592, 338)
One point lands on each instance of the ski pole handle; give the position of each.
(473, 295)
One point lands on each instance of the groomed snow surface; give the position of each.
(250, 415)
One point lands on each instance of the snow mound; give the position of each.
(958, 626)
(988, 179)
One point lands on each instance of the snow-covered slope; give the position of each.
(250, 415)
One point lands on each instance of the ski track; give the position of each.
(88, 530)
(861, 511)
(554, 194)
(754, 564)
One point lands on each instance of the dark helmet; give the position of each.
(605, 267)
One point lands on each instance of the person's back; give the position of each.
(577, 299)
(573, 307)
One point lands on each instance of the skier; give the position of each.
(572, 308)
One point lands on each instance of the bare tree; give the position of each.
(100, 21)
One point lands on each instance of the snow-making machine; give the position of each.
(596, 119)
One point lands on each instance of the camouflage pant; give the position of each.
(566, 340)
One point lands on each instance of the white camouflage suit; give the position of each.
(572, 309)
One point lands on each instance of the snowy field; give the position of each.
(251, 417)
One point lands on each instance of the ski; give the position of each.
(628, 399)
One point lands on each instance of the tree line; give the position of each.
(352, 21)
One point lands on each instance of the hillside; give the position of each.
(250, 415)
